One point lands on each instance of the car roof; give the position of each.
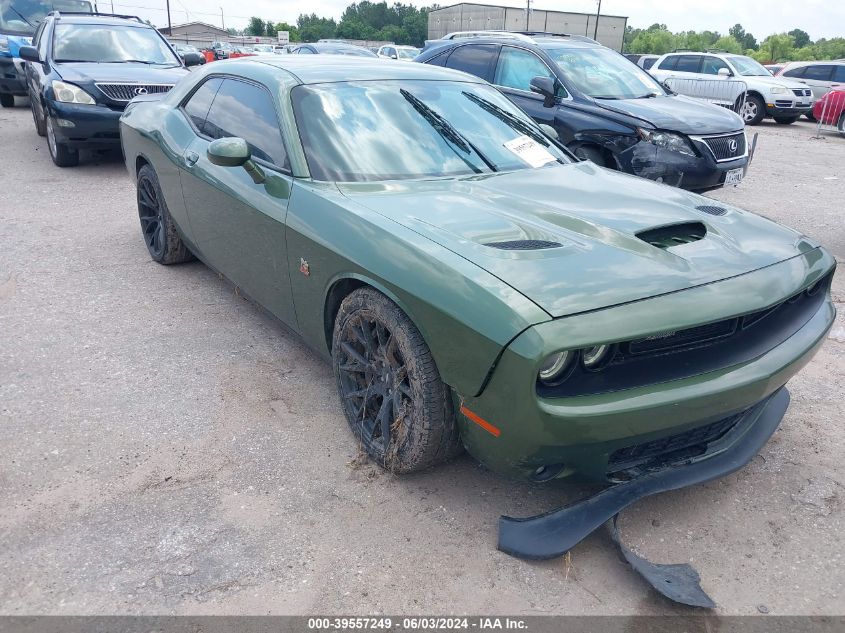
(309, 69)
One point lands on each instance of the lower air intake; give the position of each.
(524, 245)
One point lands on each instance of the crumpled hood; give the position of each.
(678, 114)
(595, 215)
(119, 73)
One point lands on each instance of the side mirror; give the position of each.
(394, 56)
(545, 86)
(30, 54)
(549, 131)
(724, 72)
(228, 152)
(193, 59)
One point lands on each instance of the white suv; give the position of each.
(782, 99)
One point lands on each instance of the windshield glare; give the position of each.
(388, 130)
(603, 74)
(112, 44)
(23, 16)
(748, 67)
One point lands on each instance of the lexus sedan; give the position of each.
(472, 283)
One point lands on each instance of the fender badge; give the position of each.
(304, 268)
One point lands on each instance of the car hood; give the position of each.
(771, 82)
(594, 215)
(677, 114)
(119, 73)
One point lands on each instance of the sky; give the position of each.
(760, 17)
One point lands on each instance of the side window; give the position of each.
(440, 60)
(795, 72)
(819, 72)
(688, 63)
(839, 74)
(517, 67)
(473, 59)
(648, 63)
(198, 103)
(245, 110)
(712, 65)
(669, 63)
(304, 51)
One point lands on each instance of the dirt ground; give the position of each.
(169, 449)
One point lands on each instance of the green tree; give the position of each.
(745, 39)
(256, 26)
(312, 28)
(800, 38)
(729, 44)
(292, 30)
(656, 41)
(775, 48)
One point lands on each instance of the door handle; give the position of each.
(191, 158)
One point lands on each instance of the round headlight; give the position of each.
(554, 366)
(595, 357)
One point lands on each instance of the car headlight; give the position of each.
(667, 140)
(555, 366)
(596, 357)
(68, 93)
(4, 45)
(777, 90)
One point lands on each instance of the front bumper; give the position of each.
(12, 77)
(788, 107)
(94, 126)
(575, 437)
(695, 173)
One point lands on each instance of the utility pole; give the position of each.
(222, 21)
(596, 31)
(527, 13)
(169, 25)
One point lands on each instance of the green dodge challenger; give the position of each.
(472, 283)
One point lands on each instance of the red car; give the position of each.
(830, 109)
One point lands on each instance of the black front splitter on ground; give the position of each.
(554, 533)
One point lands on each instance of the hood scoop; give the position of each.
(674, 234)
(524, 245)
(712, 209)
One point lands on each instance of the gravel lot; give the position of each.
(168, 448)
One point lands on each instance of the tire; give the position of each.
(841, 124)
(810, 116)
(754, 110)
(390, 390)
(62, 155)
(7, 100)
(157, 226)
(590, 153)
(40, 124)
(785, 120)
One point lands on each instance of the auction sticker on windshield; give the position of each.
(530, 151)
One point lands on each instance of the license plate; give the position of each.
(733, 177)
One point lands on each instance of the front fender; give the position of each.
(465, 314)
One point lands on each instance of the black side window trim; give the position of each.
(224, 78)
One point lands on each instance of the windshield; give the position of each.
(388, 130)
(748, 67)
(111, 44)
(407, 53)
(263, 48)
(604, 74)
(346, 50)
(23, 16)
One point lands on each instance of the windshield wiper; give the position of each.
(20, 15)
(508, 118)
(447, 131)
(650, 95)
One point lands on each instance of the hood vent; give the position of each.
(712, 209)
(524, 245)
(674, 234)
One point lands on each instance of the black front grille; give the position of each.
(783, 103)
(802, 92)
(524, 245)
(666, 448)
(726, 147)
(127, 92)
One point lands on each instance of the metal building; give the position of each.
(468, 16)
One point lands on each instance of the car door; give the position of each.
(238, 224)
(515, 68)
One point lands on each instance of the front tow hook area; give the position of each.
(554, 533)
